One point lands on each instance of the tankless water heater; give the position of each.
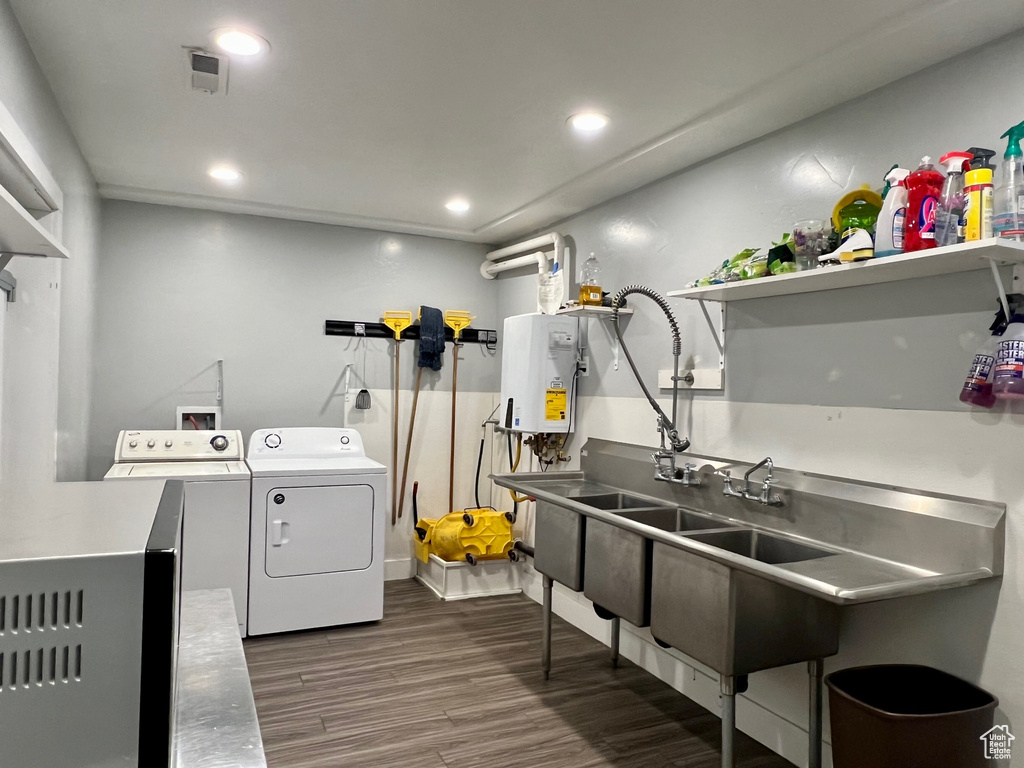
(538, 365)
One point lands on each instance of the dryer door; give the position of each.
(323, 529)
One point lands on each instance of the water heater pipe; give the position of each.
(494, 264)
(490, 268)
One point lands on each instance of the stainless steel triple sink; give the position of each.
(739, 585)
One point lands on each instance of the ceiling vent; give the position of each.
(207, 72)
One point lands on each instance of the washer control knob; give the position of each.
(168, 443)
(219, 443)
(151, 444)
(133, 444)
(273, 440)
(344, 439)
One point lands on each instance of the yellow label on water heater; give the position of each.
(554, 404)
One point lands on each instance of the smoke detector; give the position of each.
(207, 72)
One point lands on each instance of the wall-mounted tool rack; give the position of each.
(489, 338)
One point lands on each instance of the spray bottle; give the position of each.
(1008, 203)
(977, 389)
(948, 227)
(1008, 373)
(889, 231)
(978, 196)
(924, 186)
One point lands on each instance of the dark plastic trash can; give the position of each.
(907, 716)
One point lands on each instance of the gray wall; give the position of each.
(181, 288)
(48, 339)
(901, 345)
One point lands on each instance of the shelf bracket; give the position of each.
(9, 285)
(704, 378)
(1017, 286)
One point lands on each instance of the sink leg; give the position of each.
(615, 642)
(545, 633)
(816, 670)
(728, 687)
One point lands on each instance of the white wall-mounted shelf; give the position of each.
(951, 259)
(25, 185)
(22, 235)
(584, 310)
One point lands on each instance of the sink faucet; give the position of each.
(671, 443)
(766, 496)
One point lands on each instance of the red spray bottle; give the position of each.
(924, 189)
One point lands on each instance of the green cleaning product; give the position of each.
(857, 211)
(1008, 202)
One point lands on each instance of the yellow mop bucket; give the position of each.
(470, 535)
(473, 534)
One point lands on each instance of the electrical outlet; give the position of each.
(583, 366)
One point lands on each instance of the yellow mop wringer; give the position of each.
(468, 534)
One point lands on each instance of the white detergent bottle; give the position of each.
(893, 216)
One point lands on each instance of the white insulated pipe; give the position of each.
(489, 269)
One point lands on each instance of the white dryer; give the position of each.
(215, 526)
(317, 530)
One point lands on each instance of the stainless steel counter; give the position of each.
(884, 541)
(216, 718)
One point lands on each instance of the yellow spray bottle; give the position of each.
(978, 196)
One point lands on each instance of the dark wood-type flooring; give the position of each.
(458, 685)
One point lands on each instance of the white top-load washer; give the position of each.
(317, 530)
(215, 527)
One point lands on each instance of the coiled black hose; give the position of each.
(677, 344)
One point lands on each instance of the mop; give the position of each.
(431, 355)
(397, 322)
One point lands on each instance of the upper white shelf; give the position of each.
(589, 310)
(936, 261)
(21, 234)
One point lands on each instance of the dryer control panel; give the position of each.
(137, 445)
(306, 443)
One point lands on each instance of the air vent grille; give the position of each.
(24, 670)
(41, 611)
(204, 63)
(207, 72)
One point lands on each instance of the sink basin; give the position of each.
(734, 621)
(618, 562)
(561, 532)
(614, 501)
(760, 546)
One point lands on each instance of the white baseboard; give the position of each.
(399, 568)
(689, 677)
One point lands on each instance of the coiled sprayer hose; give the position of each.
(669, 425)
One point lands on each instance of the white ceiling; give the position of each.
(375, 112)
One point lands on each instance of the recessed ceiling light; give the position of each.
(239, 43)
(457, 206)
(589, 121)
(225, 173)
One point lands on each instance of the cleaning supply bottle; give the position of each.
(889, 230)
(978, 196)
(948, 228)
(590, 282)
(1008, 375)
(854, 219)
(1008, 211)
(977, 389)
(924, 186)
